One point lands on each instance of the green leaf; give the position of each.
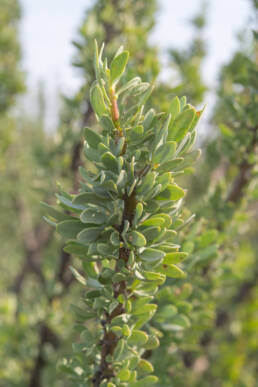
(49, 221)
(93, 215)
(92, 138)
(135, 134)
(115, 238)
(90, 234)
(69, 204)
(181, 320)
(145, 96)
(152, 276)
(152, 206)
(151, 233)
(155, 220)
(164, 153)
(124, 374)
(152, 343)
(78, 276)
(76, 248)
(97, 100)
(119, 349)
(148, 119)
(117, 66)
(161, 135)
(164, 179)
(196, 119)
(87, 337)
(129, 85)
(176, 257)
(51, 211)
(148, 381)
(147, 183)
(171, 271)
(181, 124)
(137, 239)
(183, 101)
(70, 228)
(90, 269)
(138, 338)
(152, 255)
(174, 107)
(106, 123)
(170, 165)
(145, 308)
(189, 159)
(110, 162)
(106, 249)
(89, 197)
(144, 367)
(90, 153)
(166, 312)
(138, 213)
(172, 192)
(82, 314)
(168, 235)
(167, 219)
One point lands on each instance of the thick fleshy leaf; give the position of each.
(145, 308)
(92, 138)
(76, 249)
(110, 162)
(93, 215)
(172, 192)
(178, 129)
(115, 238)
(97, 100)
(90, 269)
(154, 221)
(70, 228)
(144, 367)
(171, 271)
(90, 234)
(89, 197)
(138, 213)
(174, 107)
(152, 276)
(107, 123)
(164, 153)
(123, 375)
(69, 204)
(137, 239)
(164, 179)
(181, 320)
(152, 343)
(117, 66)
(147, 183)
(148, 381)
(170, 165)
(78, 276)
(138, 338)
(135, 134)
(175, 257)
(51, 211)
(152, 255)
(151, 233)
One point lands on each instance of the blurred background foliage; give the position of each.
(208, 322)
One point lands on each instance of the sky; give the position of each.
(49, 26)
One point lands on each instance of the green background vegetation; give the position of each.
(207, 322)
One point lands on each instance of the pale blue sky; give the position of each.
(49, 26)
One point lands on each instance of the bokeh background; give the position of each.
(205, 50)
